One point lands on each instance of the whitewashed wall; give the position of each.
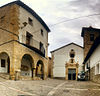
(61, 56)
(35, 30)
(94, 58)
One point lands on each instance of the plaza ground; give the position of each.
(49, 87)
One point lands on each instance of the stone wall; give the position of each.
(9, 26)
(34, 30)
(50, 68)
(93, 77)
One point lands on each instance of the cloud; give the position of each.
(71, 31)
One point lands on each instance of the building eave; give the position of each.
(33, 49)
(90, 29)
(65, 46)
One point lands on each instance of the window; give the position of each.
(3, 63)
(97, 69)
(2, 19)
(72, 53)
(87, 66)
(28, 38)
(41, 46)
(41, 32)
(30, 21)
(91, 37)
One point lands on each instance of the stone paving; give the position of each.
(49, 87)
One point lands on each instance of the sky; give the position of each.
(56, 12)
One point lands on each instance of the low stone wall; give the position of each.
(87, 75)
(93, 77)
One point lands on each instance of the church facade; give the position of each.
(67, 61)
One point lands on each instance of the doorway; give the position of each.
(8, 61)
(71, 74)
(40, 69)
(26, 65)
(4, 63)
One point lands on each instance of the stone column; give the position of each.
(66, 72)
(76, 73)
(12, 73)
(17, 74)
(77, 70)
(34, 71)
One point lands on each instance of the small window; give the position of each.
(42, 32)
(25, 73)
(91, 37)
(97, 70)
(72, 53)
(28, 38)
(41, 46)
(30, 21)
(87, 66)
(3, 63)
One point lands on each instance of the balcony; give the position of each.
(33, 45)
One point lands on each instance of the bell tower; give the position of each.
(89, 34)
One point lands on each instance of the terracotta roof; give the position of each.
(90, 29)
(92, 49)
(18, 2)
(65, 46)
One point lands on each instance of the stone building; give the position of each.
(91, 39)
(23, 42)
(89, 34)
(50, 67)
(67, 61)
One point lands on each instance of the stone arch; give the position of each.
(4, 62)
(40, 69)
(27, 65)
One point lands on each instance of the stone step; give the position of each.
(38, 78)
(4, 76)
(29, 78)
(25, 78)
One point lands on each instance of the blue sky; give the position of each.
(55, 11)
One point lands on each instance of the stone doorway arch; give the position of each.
(40, 69)
(4, 63)
(27, 65)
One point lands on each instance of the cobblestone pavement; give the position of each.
(49, 87)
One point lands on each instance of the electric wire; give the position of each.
(74, 19)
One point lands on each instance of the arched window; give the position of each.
(72, 53)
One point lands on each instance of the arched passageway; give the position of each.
(26, 65)
(4, 63)
(40, 69)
